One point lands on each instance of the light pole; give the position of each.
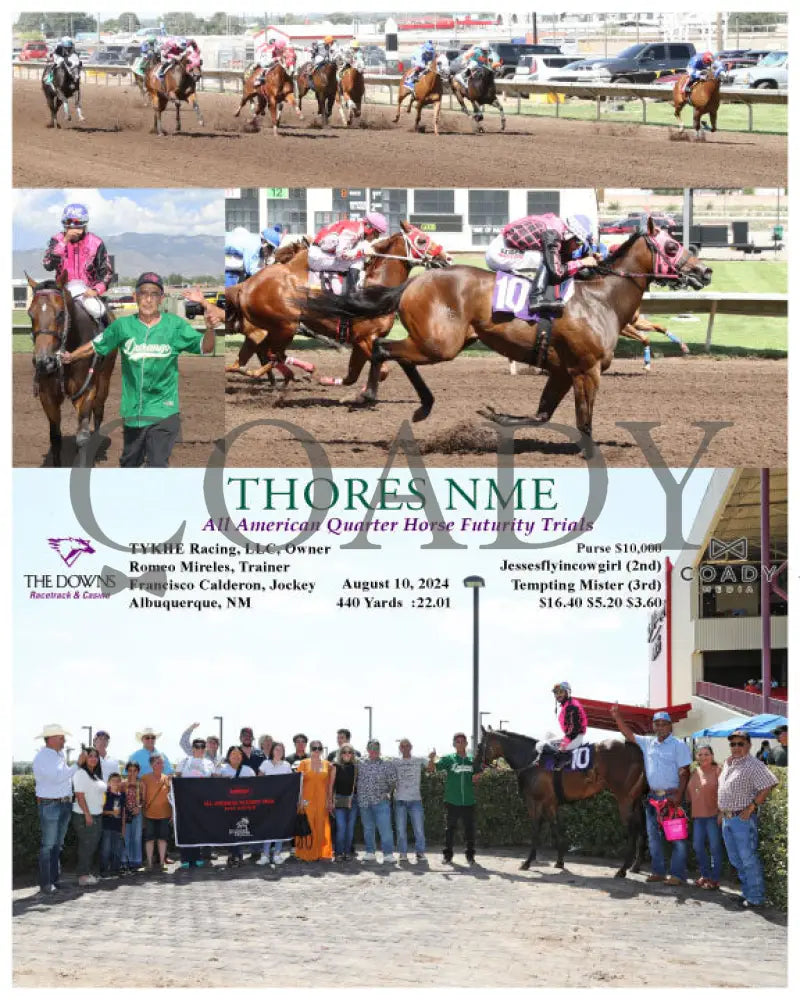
(480, 719)
(69, 752)
(90, 734)
(219, 719)
(502, 721)
(368, 708)
(474, 583)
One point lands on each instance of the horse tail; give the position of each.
(366, 303)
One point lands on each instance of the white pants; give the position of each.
(91, 303)
(319, 260)
(579, 741)
(500, 258)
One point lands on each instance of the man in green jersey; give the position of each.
(149, 343)
(459, 796)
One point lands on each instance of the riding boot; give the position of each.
(352, 280)
(537, 290)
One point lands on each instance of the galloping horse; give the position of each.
(617, 767)
(276, 90)
(443, 311)
(57, 324)
(640, 326)
(351, 94)
(480, 90)
(59, 84)
(276, 299)
(322, 80)
(703, 97)
(180, 80)
(427, 90)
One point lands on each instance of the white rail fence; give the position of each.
(717, 303)
(231, 80)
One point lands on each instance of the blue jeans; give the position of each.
(345, 828)
(706, 831)
(54, 823)
(741, 843)
(379, 815)
(414, 809)
(132, 848)
(655, 841)
(111, 844)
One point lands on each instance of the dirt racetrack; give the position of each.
(202, 415)
(404, 925)
(113, 148)
(751, 394)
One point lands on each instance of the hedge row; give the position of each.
(591, 827)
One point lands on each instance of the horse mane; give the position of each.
(49, 284)
(286, 253)
(512, 734)
(623, 248)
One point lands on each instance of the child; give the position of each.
(113, 827)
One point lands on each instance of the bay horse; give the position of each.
(703, 98)
(442, 311)
(618, 767)
(351, 94)
(479, 91)
(57, 324)
(180, 80)
(277, 300)
(322, 80)
(427, 89)
(276, 90)
(60, 84)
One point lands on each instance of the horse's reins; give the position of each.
(605, 271)
(411, 258)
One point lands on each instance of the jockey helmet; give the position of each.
(279, 44)
(67, 43)
(562, 686)
(708, 57)
(75, 215)
(355, 44)
(271, 236)
(328, 39)
(377, 222)
(428, 46)
(580, 226)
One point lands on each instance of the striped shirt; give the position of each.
(741, 780)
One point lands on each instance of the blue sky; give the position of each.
(297, 661)
(171, 212)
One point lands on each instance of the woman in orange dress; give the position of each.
(316, 776)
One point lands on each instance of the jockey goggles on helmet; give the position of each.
(75, 215)
(67, 43)
(563, 686)
(580, 226)
(377, 222)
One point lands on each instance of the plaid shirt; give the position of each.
(545, 233)
(741, 780)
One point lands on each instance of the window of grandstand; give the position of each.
(488, 213)
(289, 210)
(542, 202)
(242, 211)
(392, 202)
(434, 201)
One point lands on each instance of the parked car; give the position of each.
(33, 50)
(540, 69)
(641, 63)
(512, 52)
(636, 222)
(750, 58)
(110, 57)
(771, 73)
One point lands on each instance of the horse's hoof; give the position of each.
(51, 124)
(421, 414)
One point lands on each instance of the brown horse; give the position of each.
(479, 90)
(276, 299)
(276, 91)
(443, 311)
(58, 324)
(427, 90)
(181, 81)
(351, 94)
(322, 80)
(617, 767)
(703, 97)
(638, 329)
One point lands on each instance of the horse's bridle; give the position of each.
(52, 364)
(62, 319)
(413, 255)
(670, 274)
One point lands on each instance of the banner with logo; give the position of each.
(219, 812)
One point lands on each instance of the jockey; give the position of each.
(272, 54)
(572, 719)
(172, 50)
(81, 257)
(351, 56)
(422, 59)
(270, 241)
(148, 53)
(342, 246)
(324, 51)
(545, 249)
(479, 55)
(701, 65)
(64, 53)
(240, 242)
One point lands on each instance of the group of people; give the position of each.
(150, 406)
(123, 814)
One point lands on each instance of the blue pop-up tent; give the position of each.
(757, 725)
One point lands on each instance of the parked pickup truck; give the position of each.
(642, 63)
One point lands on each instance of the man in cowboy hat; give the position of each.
(54, 801)
(148, 737)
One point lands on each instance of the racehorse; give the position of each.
(139, 68)
(703, 97)
(322, 80)
(427, 90)
(276, 90)
(351, 94)
(276, 299)
(443, 311)
(480, 90)
(617, 767)
(57, 324)
(180, 80)
(59, 84)
(640, 326)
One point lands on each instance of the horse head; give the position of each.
(673, 265)
(516, 749)
(49, 315)
(441, 66)
(424, 249)
(286, 253)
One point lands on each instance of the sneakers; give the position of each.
(186, 864)
(745, 904)
(421, 856)
(390, 859)
(47, 891)
(278, 858)
(87, 880)
(402, 857)
(447, 859)
(672, 881)
(368, 857)
(263, 860)
(339, 858)
(470, 856)
(199, 864)
(654, 878)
